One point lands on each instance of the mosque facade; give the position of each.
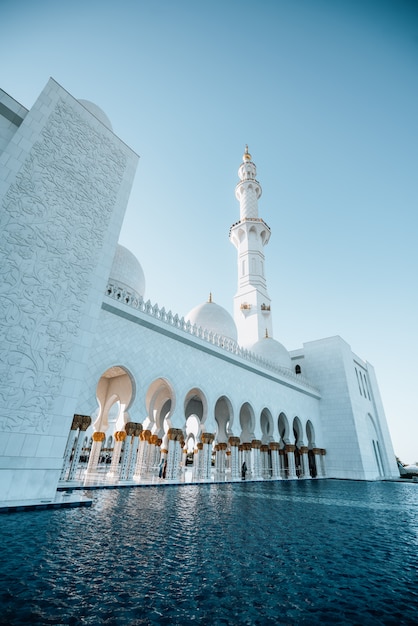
(97, 381)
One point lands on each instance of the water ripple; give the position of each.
(311, 552)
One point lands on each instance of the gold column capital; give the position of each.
(207, 437)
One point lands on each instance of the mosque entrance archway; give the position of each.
(114, 392)
(266, 425)
(160, 403)
(223, 419)
(246, 420)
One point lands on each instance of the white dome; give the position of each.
(273, 351)
(127, 271)
(212, 317)
(97, 112)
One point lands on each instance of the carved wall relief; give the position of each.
(54, 220)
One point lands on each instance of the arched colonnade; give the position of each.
(108, 443)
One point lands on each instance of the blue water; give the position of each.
(291, 552)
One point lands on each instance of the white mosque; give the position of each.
(98, 384)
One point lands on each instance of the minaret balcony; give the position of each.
(265, 309)
(248, 220)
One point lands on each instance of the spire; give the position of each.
(246, 156)
(210, 297)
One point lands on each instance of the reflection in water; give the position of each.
(336, 552)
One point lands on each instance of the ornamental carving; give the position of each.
(53, 221)
(234, 441)
(256, 443)
(98, 436)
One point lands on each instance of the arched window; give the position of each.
(297, 369)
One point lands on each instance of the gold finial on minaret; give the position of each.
(267, 334)
(210, 297)
(246, 156)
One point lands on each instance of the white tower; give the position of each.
(249, 235)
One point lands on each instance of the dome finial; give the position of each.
(210, 297)
(246, 156)
(267, 334)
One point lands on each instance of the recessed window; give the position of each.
(358, 381)
(298, 369)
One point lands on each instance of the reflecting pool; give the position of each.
(291, 552)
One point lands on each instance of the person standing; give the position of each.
(243, 470)
(161, 468)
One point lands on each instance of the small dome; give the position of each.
(273, 351)
(212, 317)
(127, 271)
(97, 112)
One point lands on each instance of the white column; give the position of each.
(174, 454)
(115, 466)
(304, 462)
(264, 462)
(198, 462)
(133, 457)
(255, 459)
(275, 460)
(67, 454)
(207, 440)
(138, 473)
(96, 448)
(290, 451)
(126, 455)
(235, 465)
(76, 455)
(321, 465)
(220, 461)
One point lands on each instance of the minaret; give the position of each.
(249, 235)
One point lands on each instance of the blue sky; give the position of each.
(324, 92)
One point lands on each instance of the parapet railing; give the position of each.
(125, 296)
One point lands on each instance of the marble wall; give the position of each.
(64, 187)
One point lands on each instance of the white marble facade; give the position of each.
(156, 386)
(65, 182)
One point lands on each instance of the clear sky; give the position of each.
(325, 94)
